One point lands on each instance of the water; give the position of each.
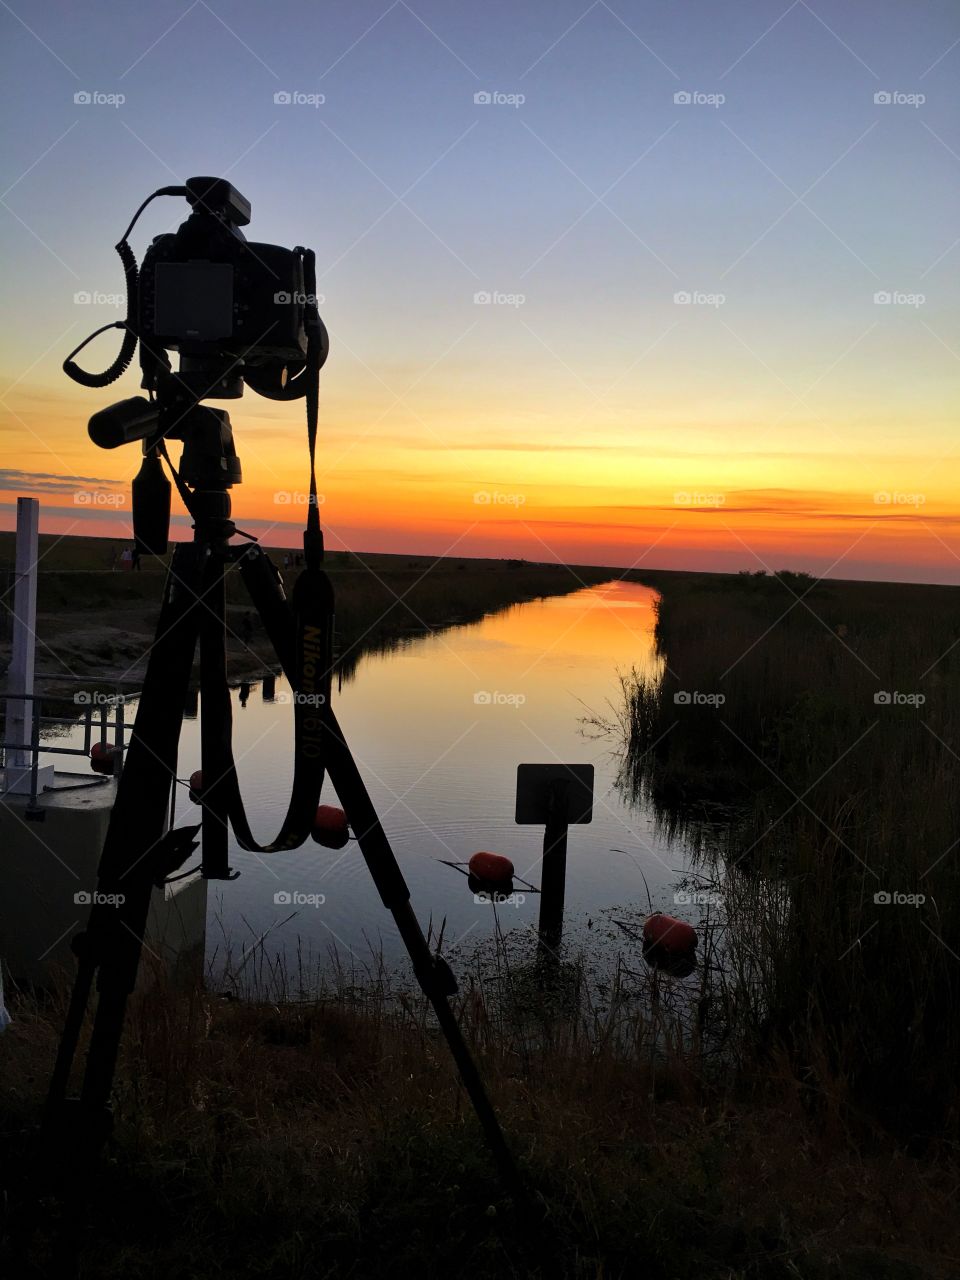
(438, 728)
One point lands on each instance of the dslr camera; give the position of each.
(234, 311)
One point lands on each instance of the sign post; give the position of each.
(554, 796)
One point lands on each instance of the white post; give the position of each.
(20, 677)
(18, 773)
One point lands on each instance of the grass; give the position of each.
(329, 1138)
(806, 797)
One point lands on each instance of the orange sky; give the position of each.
(401, 479)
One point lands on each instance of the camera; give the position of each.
(235, 311)
(226, 305)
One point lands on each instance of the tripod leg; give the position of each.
(113, 940)
(216, 722)
(431, 971)
(70, 1036)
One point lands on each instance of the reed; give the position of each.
(828, 775)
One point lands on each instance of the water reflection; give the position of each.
(438, 727)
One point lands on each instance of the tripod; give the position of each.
(140, 852)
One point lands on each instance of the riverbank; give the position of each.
(96, 620)
(331, 1139)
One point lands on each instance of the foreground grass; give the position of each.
(828, 774)
(331, 1139)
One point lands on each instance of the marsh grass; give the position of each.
(805, 797)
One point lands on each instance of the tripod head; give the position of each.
(209, 466)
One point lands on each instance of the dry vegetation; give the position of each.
(331, 1139)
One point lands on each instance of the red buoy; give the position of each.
(196, 786)
(330, 827)
(103, 756)
(668, 935)
(491, 868)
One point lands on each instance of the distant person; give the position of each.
(135, 557)
(286, 559)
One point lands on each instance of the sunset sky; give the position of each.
(797, 410)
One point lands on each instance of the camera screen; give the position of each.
(194, 300)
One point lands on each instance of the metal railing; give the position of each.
(96, 708)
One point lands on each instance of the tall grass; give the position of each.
(808, 793)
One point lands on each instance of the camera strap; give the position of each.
(312, 609)
(312, 534)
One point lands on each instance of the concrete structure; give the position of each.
(48, 870)
(53, 825)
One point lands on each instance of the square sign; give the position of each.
(568, 786)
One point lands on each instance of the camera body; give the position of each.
(226, 305)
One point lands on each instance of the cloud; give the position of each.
(47, 482)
